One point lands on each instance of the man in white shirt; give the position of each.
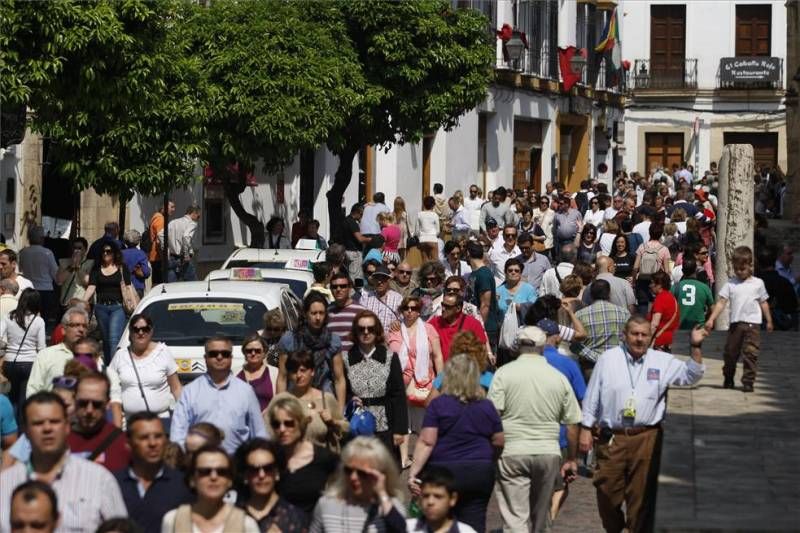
(616, 207)
(551, 280)
(459, 224)
(369, 221)
(499, 256)
(181, 246)
(8, 270)
(49, 363)
(473, 205)
(643, 227)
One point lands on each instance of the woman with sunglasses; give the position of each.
(256, 371)
(456, 285)
(313, 335)
(144, 376)
(545, 216)
(210, 476)
(375, 380)
(595, 214)
(454, 264)
(259, 462)
(417, 344)
(365, 493)
(305, 472)
(326, 423)
(23, 331)
(429, 278)
(105, 282)
(587, 245)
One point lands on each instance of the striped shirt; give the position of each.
(87, 494)
(333, 515)
(386, 307)
(340, 322)
(604, 323)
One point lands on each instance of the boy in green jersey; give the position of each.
(694, 297)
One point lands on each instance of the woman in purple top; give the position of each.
(463, 432)
(261, 376)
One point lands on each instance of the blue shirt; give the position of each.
(616, 378)
(485, 381)
(167, 492)
(232, 407)
(572, 371)
(8, 424)
(525, 294)
(133, 257)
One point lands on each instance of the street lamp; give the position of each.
(515, 46)
(642, 77)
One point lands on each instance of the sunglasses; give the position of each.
(452, 290)
(267, 468)
(366, 330)
(108, 252)
(362, 474)
(339, 286)
(66, 382)
(513, 271)
(96, 404)
(510, 235)
(213, 354)
(253, 350)
(405, 272)
(431, 280)
(207, 471)
(288, 424)
(143, 329)
(411, 308)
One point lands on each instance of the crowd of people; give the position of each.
(531, 343)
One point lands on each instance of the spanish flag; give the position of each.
(610, 46)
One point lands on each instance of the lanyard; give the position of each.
(628, 366)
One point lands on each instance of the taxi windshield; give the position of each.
(241, 263)
(192, 320)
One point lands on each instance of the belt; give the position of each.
(371, 402)
(176, 256)
(630, 432)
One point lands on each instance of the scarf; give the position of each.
(422, 363)
(319, 346)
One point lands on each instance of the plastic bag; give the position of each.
(508, 333)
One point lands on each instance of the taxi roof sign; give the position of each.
(300, 264)
(245, 274)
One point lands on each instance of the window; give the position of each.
(663, 150)
(753, 28)
(213, 213)
(539, 20)
(586, 37)
(667, 45)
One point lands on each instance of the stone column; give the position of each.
(735, 223)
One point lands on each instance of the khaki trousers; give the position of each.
(627, 471)
(525, 484)
(745, 339)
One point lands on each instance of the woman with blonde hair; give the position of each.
(365, 493)
(401, 219)
(392, 235)
(463, 433)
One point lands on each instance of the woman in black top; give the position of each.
(307, 467)
(375, 380)
(105, 282)
(587, 244)
(623, 258)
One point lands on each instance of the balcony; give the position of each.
(646, 76)
(605, 80)
(750, 72)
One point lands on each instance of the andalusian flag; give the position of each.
(610, 46)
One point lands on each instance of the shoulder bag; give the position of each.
(139, 381)
(130, 298)
(412, 241)
(19, 348)
(103, 446)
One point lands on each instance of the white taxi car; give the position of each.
(296, 274)
(275, 259)
(186, 313)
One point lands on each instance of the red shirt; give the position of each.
(448, 331)
(115, 457)
(666, 304)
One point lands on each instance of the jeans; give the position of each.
(111, 320)
(181, 271)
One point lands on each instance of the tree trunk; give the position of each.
(232, 190)
(344, 174)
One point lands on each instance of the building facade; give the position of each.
(696, 85)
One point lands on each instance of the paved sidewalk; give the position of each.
(731, 461)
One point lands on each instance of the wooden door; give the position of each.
(664, 150)
(667, 46)
(765, 146)
(753, 29)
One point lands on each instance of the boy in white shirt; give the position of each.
(748, 298)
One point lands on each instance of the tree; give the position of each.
(111, 84)
(281, 77)
(424, 65)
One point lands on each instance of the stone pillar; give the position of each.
(735, 223)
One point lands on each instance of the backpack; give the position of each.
(650, 262)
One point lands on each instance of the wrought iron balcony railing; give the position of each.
(648, 75)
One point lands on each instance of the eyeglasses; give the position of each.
(267, 468)
(143, 329)
(77, 324)
(404, 272)
(452, 290)
(213, 354)
(248, 351)
(432, 280)
(362, 474)
(411, 308)
(288, 424)
(513, 271)
(510, 235)
(366, 330)
(340, 286)
(66, 382)
(96, 404)
(207, 471)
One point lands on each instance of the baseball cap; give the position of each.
(381, 271)
(531, 336)
(548, 326)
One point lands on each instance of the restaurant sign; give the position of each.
(750, 69)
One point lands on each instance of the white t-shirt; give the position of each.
(23, 283)
(745, 297)
(32, 342)
(643, 229)
(153, 371)
(595, 219)
(474, 212)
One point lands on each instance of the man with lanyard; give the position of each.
(87, 493)
(623, 409)
(382, 300)
(150, 487)
(73, 272)
(180, 242)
